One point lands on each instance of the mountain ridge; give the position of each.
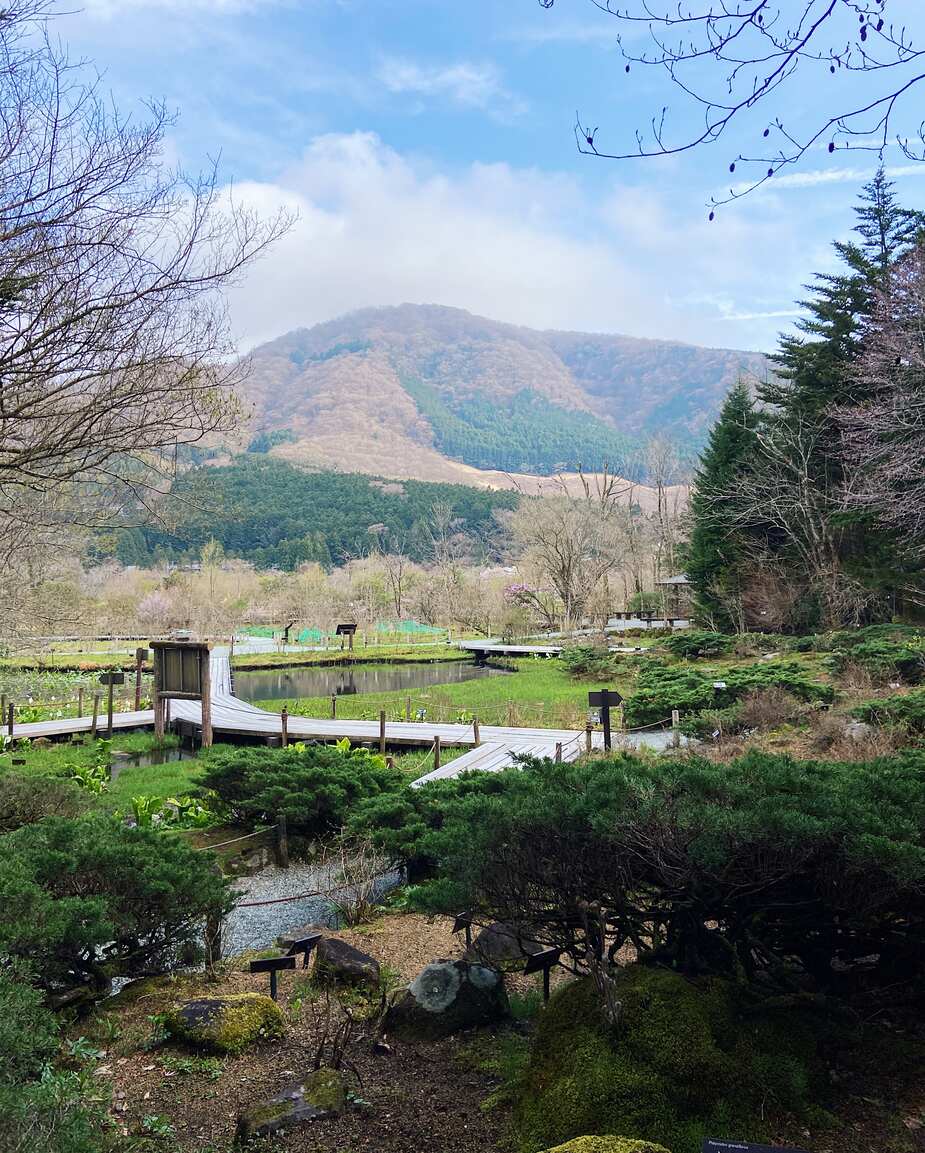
(437, 393)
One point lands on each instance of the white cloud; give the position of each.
(814, 177)
(520, 245)
(464, 83)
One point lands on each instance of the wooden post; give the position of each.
(80, 702)
(675, 729)
(109, 710)
(159, 702)
(9, 719)
(139, 661)
(436, 752)
(510, 714)
(167, 713)
(96, 713)
(589, 737)
(333, 706)
(282, 842)
(621, 724)
(475, 731)
(284, 719)
(558, 751)
(205, 688)
(407, 708)
(382, 732)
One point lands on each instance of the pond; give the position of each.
(346, 680)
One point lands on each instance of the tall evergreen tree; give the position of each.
(715, 557)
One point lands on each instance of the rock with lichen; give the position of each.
(608, 1145)
(226, 1025)
(320, 1093)
(338, 962)
(444, 998)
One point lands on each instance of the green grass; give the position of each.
(537, 693)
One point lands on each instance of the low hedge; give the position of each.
(904, 709)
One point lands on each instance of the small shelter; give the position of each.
(677, 595)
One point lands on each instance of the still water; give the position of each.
(345, 680)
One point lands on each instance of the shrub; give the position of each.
(88, 899)
(684, 1065)
(659, 689)
(694, 643)
(587, 661)
(778, 872)
(883, 660)
(758, 710)
(314, 786)
(904, 709)
(25, 799)
(39, 1107)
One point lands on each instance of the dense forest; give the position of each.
(530, 435)
(278, 516)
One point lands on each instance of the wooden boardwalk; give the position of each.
(233, 717)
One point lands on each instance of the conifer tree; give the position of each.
(715, 557)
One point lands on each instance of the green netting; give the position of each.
(259, 631)
(307, 635)
(414, 628)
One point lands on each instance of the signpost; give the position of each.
(346, 630)
(181, 672)
(110, 679)
(713, 1146)
(605, 700)
(273, 966)
(543, 961)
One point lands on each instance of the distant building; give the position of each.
(677, 595)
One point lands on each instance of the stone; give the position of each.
(859, 731)
(320, 1093)
(608, 1145)
(445, 997)
(341, 963)
(226, 1025)
(501, 946)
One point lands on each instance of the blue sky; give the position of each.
(427, 147)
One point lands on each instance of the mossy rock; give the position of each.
(608, 1145)
(226, 1025)
(686, 1063)
(321, 1093)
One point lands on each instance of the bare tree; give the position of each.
(114, 342)
(729, 59)
(884, 434)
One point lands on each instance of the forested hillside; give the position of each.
(275, 515)
(437, 393)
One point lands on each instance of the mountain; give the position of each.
(434, 393)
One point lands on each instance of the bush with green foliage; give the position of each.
(904, 709)
(792, 876)
(314, 786)
(691, 644)
(41, 1108)
(27, 798)
(588, 662)
(661, 688)
(89, 899)
(685, 1064)
(884, 660)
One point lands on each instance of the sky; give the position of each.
(427, 149)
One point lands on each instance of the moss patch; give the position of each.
(686, 1064)
(608, 1145)
(226, 1024)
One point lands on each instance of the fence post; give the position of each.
(96, 714)
(382, 732)
(9, 719)
(436, 752)
(558, 750)
(475, 731)
(510, 714)
(589, 737)
(284, 721)
(333, 706)
(80, 702)
(282, 842)
(675, 730)
(407, 708)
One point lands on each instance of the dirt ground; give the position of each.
(428, 1099)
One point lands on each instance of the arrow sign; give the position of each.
(712, 1146)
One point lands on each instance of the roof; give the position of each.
(681, 579)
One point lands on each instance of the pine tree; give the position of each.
(715, 560)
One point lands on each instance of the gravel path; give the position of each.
(258, 928)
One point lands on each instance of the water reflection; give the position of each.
(346, 680)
